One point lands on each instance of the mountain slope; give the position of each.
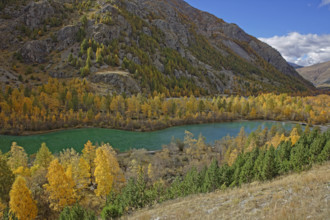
(166, 46)
(296, 196)
(318, 74)
(296, 66)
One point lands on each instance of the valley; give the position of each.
(155, 109)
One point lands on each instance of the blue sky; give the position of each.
(304, 23)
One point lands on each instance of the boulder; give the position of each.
(35, 13)
(66, 36)
(34, 51)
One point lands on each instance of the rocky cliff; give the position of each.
(165, 45)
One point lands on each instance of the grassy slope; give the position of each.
(296, 196)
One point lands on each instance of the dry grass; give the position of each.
(297, 196)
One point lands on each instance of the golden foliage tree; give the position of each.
(60, 187)
(89, 154)
(17, 157)
(43, 157)
(106, 169)
(21, 202)
(82, 174)
(294, 136)
(2, 209)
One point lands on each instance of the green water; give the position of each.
(125, 140)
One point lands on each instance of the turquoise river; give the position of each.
(125, 140)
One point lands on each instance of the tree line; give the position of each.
(60, 104)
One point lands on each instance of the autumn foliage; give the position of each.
(73, 103)
(21, 203)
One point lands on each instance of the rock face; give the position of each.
(121, 82)
(208, 25)
(37, 12)
(8, 77)
(34, 51)
(67, 36)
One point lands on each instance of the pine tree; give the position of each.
(317, 147)
(211, 181)
(60, 187)
(247, 172)
(76, 213)
(269, 165)
(282, 157)
(325, 154)
(238, 164)
(21, 202)
(6, 179)
(43, 157)
(299, 156)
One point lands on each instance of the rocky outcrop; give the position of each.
(66, 36)
(119, 81)
(34, 51)
(273, 57)
(178, 16)
(35, 13)
(8, 77)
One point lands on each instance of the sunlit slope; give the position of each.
(297, 196)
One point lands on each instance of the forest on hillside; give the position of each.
(73, 103)
(100, 182)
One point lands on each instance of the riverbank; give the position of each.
(158, 128)
(126, 140)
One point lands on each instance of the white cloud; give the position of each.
(302, 49)
(324, 2)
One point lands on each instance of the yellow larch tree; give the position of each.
(21, 202)
(23, 171)
(275, 141)
(18, 157)
(106, 169)
(82, 174)
(43, 157)
(89, 154)
(60, 187)
(294, 136)
(2, 209)
(102, 173)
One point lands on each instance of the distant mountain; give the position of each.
(296, 66)
(318, 74)
(161, 46)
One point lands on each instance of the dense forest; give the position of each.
(98, 182)
(74, 104)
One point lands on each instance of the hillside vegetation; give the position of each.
(98, 182)
(296, 196)
(166, 46)
(73, 103)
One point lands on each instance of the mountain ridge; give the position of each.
(167, 46)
